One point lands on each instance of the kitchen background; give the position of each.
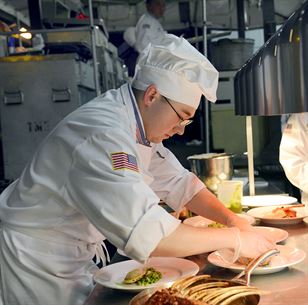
(45, 77)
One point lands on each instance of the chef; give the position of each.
(293, 154)
(149, 29)
(101, 174)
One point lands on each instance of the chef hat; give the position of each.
(178, 70)
(130, 36)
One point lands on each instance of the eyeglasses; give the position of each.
(182, 122)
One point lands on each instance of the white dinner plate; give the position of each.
(172, 269)
(278, 235)
(267, 200)
(199, 221)
(286, 258)
(261, 213)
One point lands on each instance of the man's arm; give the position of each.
(206, 204)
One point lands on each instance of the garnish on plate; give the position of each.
(142, 276)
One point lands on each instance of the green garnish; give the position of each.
(151, 276)
(142, 277)
(216, 225)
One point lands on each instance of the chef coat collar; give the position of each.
(140, 133)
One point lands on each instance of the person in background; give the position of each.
(3, 39)
(148, 29)
(293, 154)
(101, 174)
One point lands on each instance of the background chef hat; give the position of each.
(178, 70)
(129, 36)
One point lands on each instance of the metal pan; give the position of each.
(242, 279)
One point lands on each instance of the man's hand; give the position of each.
(254, 244)
(239, 222)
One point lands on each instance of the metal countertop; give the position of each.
(288, 286)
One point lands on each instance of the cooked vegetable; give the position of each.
(145, 276)
(134, 276)
(281, 212)
(216, 225)
(246, 261)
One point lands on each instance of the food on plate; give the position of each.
(142, 276)
(170, 297)
(216, 225)
(281, 212)
(202, 289)
(247, 260)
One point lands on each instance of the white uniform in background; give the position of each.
(72, 194)
(294, 152)
(148, 30)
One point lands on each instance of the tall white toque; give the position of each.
(178, 70)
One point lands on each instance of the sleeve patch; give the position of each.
(122, 160)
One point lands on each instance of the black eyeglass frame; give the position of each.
(182, 122)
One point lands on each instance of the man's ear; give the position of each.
(150, 95)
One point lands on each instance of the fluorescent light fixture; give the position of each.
(25, 34)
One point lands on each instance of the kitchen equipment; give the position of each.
(250, 94)
(288, 54)
(304, 50)
(243, 90)
(212, 168)
(258, 83)
(29, 109)
(282, 73)
(231, 54)
(230, 193)
(238, 100)
(253, 299)
(270, 75)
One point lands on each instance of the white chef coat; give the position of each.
(71, 195)
(293, 154)
(148, 29)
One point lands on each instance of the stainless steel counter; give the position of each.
(288, 286)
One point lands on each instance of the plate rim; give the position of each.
(294, 200)
(286, 233)
(281, 221)
(187, 220)
(110, 284)
(263, 270)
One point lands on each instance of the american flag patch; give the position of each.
(122, 160)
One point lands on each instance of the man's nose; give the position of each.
(179, 129)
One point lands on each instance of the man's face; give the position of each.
(160, 119)
(157, 8)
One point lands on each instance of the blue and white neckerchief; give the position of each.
(140, 134)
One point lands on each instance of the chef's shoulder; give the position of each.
(146, 22)
(105, 108)
(104, 114)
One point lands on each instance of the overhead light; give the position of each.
(25, 34)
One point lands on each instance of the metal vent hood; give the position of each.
(275, 80)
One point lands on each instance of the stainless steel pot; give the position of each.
(212, 168)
